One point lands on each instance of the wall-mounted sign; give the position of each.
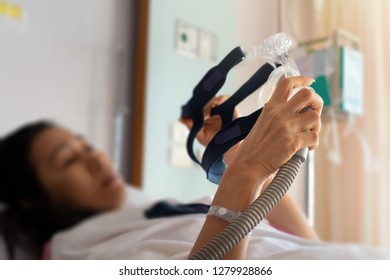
(10, 10)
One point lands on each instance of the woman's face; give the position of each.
(73, 173)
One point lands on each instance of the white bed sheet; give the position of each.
(126, 234)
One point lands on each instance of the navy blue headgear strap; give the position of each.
(194, 107)
(205, 90)
(227, 137)
(232, 132)
(226, 109)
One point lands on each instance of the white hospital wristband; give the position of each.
(223, 213)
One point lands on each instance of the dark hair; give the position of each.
(28, 226)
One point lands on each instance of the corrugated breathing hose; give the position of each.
(227, 239)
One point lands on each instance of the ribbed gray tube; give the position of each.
(227, 239)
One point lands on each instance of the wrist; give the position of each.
(238, 188)
(228, 157)
(246, 171)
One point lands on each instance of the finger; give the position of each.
(213, 121)
(286, 85)
(306, 98)
(309, 139)
(308, 120)
(187, 122)
(236, 113)
(214, 103)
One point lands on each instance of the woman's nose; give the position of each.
(94, 163)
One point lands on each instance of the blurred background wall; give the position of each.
(170, 80)
(61, 60)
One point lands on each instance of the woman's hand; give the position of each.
(212, 124)
(281, 130)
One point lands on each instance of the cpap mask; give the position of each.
(275, 51)
(267, 77)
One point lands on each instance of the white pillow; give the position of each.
(135, 197)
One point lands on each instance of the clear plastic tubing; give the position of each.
(275, 50)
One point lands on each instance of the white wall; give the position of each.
(257, 19)
(60, 62)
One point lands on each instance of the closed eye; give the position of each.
(71, 160)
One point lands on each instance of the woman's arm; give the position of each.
(236, 192)
(279, 132)
(288, 215)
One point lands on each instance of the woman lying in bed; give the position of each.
(61, 192)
